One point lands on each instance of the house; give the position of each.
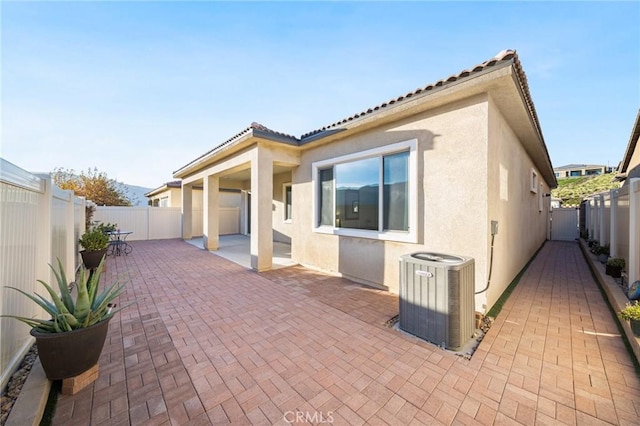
(577, 170)
(170, 195)
(630, 164)
(427, 171)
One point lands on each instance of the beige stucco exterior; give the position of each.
(630, 164)
(479, 157)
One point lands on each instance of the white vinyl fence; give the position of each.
(613, 218)
(155, 223)
(39, 223)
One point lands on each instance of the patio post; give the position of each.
(261, 209)
(210, 218)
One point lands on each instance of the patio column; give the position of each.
(210, 218)
(261, 209)
(187, 212)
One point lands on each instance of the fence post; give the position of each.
(634, 230)
(613, 224)
(70, 233)
(601, 224)
(44, 250)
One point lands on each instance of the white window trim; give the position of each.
(540, 196)
(410, 236)
(284, 201)
(534, 181)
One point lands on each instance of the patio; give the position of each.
(211, 342)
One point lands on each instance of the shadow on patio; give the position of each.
(210, 342)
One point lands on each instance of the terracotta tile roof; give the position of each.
(504, 56)
(253, 126)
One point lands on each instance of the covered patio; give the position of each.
(211, 342)
(237, 248)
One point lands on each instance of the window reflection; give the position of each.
(357, 194)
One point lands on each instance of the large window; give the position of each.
(367, 194)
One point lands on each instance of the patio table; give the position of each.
(118, 243)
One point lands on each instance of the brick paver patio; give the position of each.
(210, 342)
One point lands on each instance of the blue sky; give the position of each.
(139, 89)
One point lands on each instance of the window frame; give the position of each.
(534, 181)
(410, 236)
(284, 201)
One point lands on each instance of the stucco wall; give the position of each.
(281, 229)
(452, 196)
(522, 227)
(633, 169)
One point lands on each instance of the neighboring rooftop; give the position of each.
(578, 166)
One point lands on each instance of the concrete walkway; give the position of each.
(210, 342)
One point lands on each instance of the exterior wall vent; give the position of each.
(437, 298)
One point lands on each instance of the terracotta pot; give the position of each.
(68, 354)
(91, 259)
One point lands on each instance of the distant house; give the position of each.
(578, 170)
(630, 164)
(427, 171)
(170, 195)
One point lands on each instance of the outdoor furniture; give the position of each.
(118, 243)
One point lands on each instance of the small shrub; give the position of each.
(630, 312)
(616, 262)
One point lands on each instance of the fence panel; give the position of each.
(197, 229)
(20, 248)
(605, 232)
(37, 225)
(151, 223)
(134, 219)
(164, 222)
(622, 224)
(634, 231)
(229, 220)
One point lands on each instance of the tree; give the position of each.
(93, 185)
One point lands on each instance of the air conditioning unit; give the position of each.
(437, 300)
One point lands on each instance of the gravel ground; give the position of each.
(16, 381)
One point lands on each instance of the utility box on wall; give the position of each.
(437, 298)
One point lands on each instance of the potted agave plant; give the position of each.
(95, 243)
(71, 340)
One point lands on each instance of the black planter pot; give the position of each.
(635, 327)
(91, 259)
(68, 354)
(614, 271)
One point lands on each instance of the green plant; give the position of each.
(630, 312)
(616, 262)
(597, 249)
(107, 227)
(67, 314)
(94, 239)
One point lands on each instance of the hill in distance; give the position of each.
(573, 190)
(136, 194)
